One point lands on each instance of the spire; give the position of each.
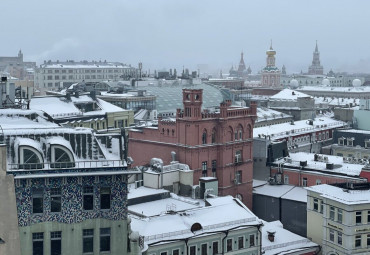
(241, 67)
(271, 45)
(316, 48)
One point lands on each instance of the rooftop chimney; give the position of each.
(271, 235)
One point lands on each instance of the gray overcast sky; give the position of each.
(169, 33)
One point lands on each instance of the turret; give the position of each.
(192, 101)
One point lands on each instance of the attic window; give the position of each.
(196, 227)
(350, 141)
(30, 158)
(61, 157)
(367, 144)
(341, 141)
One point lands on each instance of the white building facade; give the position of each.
(53, 75)
(338, 217)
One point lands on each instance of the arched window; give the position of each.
(213, 136)
(204, 137)
(249, 131)
(230, 133)
(61, 157)
(239, 131)
(30, 158)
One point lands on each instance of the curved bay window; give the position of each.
(30, 158)
(61, 157)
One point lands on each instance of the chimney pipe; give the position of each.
(271, 236)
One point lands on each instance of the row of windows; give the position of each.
(72, 77)
(336, 214)
(56, 199)
(342, 141)
(56, 241)
(205, 168)
(337, 237)
(90, 71)
(205, 249)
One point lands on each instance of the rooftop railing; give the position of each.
(14, 167)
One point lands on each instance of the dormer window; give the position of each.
(341, 141)
(30, 158)
(367, 144)
(350, 141)
(61, 157)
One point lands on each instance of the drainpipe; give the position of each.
(223, 241)
(260, 238)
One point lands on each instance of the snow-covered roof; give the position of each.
(288, 95)
(285, 242)
(336, 89)
(264, 114)
(173, 226)
(340, 167)
(279, 131)
(60, 107)
(296, 194)
(75, 65)
(336, 101)
(344, 196)
(160, 207)
(272, 190)
(367, 132)
(143, 191)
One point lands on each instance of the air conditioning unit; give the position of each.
(326, 159)
(319, 158)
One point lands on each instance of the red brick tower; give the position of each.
(215, 144)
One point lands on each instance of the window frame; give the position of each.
(215, 244)
(38, 238)
(104, 237)
(316, 204)
(358, 241)
(241, 242)
(339, 215)
(339, 238)
(38, 194)
(85, 194)
(304, 181)
(332, 213)
(252, 241)
(229, 244)
(107, 195)
(56, 197)
(331, 235)
(358, 217)
(191, 250)
(87, 235)
(205, 252)
(56, 236)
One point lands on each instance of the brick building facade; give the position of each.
(212, 143)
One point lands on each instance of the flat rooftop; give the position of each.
(339, 166)
(283, 130)
(343, 194)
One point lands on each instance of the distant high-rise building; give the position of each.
(316, 68)
(270, 75)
